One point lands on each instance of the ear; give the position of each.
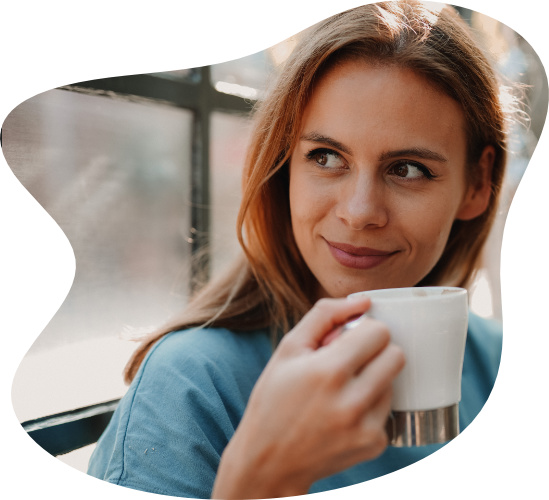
(477, 196)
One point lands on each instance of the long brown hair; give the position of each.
(270, 286)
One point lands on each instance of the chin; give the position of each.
(345, 289)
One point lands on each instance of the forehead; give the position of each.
(362, 101)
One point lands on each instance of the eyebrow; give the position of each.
(423, 153)
(322, 139)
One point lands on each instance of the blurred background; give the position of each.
(140, 171)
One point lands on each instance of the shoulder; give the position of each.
(210, 350)
(210, 341)
(481, 363)
(485, 337)
(480, 366)
(182, 408)
(203, 365)
(489, 328)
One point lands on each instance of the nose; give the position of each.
(363, 203)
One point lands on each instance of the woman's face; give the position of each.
(377, 178)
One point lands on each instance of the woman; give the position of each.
(376, 162)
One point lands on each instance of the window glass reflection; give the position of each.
(115, 176)
(229, 138)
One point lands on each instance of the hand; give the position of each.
(318, 407)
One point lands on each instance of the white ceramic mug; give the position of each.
(430, 325)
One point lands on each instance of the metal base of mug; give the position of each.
(418, 428)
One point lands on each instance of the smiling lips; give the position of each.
(358, 257)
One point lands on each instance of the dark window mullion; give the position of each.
(180, 94)
(200, 182)
(230, 103)
(201, 98)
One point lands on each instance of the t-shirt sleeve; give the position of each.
(169, 432)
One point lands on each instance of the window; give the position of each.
(123, 166)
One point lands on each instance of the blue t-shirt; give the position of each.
(170, 429)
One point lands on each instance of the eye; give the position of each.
(326, 158)
(410, 170)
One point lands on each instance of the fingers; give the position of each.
(377, 417)
(353, 348)
(324, 317)
(372, 437)
(376, 377)
(344, 355)
(368, 438)
(366, 402)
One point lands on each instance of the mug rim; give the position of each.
(385, 294)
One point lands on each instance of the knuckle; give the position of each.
(377, 330)
(337, 377)
(370, 436)
(397, 355)
(287, 344)
(375, 439)
(323, 306)
(348, 416)
(356, 410)
(330, 375)
(382, 330)
(354, 413)
(381, 443)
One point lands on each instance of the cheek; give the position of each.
(431, 230)
(305, 216)
(308, 205)
(298, 203)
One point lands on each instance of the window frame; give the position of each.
(196, 94)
